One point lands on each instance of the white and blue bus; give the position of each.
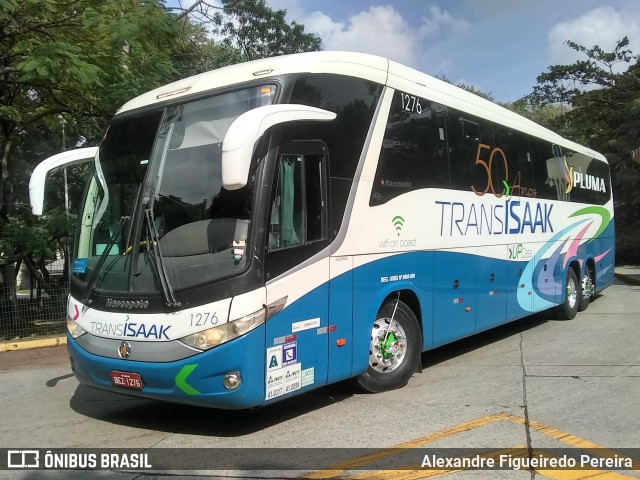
(264, 229)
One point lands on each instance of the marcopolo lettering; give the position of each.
(128, 304)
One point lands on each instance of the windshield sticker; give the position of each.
(79, 265)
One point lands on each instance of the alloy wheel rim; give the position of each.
(388, 346)
(572, 293)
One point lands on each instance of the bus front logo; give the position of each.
(124, 351)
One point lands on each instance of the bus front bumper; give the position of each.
(197, 380)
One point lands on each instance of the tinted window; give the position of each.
(427, 145)
(414, 149)
(469, 138)
(354, 100)
(512, 162)
(590, 178)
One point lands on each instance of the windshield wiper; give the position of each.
(93, 281)
(153, 247)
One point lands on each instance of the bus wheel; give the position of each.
(569, 308)
(587, 290)
(394, 349)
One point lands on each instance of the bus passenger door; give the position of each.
(341, 318)
(296, 273)
(491, 299)
(454, 295)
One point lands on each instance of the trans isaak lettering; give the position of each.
(509, 218)
(131, 330)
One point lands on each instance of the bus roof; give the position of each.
(362, 65)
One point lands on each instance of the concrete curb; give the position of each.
(35, 343)
(628, 279)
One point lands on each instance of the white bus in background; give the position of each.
(264, 229)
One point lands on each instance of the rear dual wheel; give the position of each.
(587, 289)
(573, 293)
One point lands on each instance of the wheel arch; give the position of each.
(575, 265)
(591, 265)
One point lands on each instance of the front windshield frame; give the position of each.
(150, 196)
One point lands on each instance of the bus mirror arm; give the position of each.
(39, 176)
(244, 132)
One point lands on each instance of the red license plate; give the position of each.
(126, 380)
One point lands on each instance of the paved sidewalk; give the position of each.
(629, 274)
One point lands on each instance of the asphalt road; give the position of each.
(534, 384)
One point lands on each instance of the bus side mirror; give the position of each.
(39, 176)
(244, 132)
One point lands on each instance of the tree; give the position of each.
(563, 83)
(253, 28)
(65, 67)
(196, 52)
(601, 99)
(600, 103)
(79, 60)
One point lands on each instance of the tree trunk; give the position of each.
(4, 175)
(44, 281)
(8, 299)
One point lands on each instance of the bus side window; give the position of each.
(517, 170)
(465, 135)
(298, 213)
(414, 149)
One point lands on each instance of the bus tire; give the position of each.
(586, 289)
(393, 357)
(568, 309)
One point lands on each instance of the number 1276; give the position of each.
(410, 103)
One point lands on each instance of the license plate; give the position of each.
(126, 380)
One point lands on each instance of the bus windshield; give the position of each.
(155, 214)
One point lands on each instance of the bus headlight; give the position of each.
(223, 333)
(74, 329)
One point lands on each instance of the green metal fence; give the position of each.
(33, 296)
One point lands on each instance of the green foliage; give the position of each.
(597, 103)
(258, 31)
(65, 67)
(196, 52)
(40, 238)
(78, 59)
(563, 83)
